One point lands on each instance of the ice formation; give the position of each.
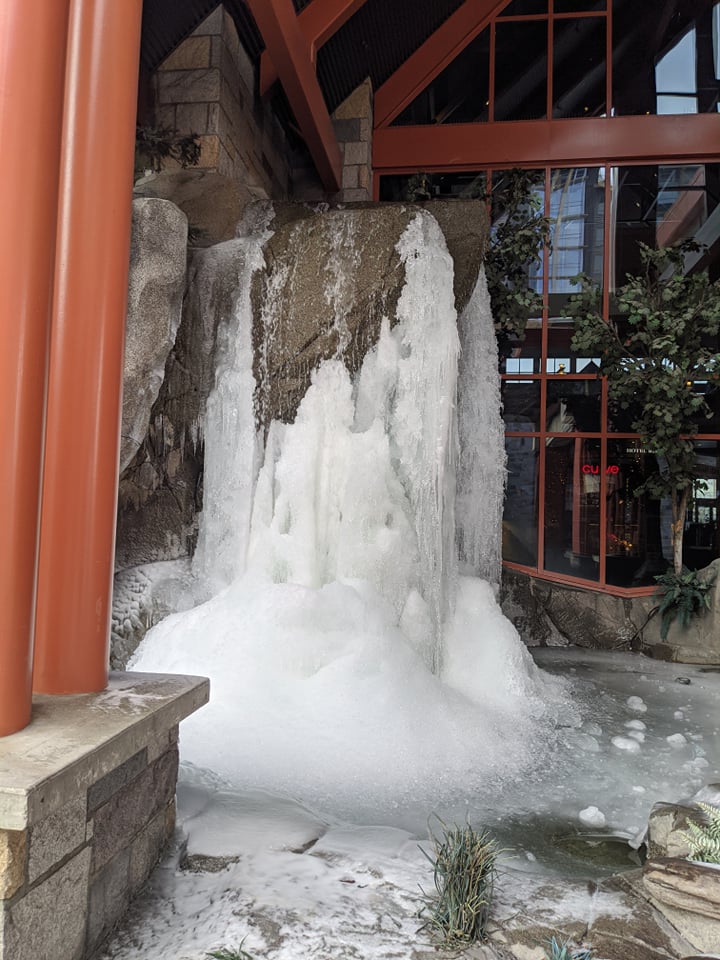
(345, 652)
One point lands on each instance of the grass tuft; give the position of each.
(565, 950)
(230, 953)
(464, 862)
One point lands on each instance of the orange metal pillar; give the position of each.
(86, 357)
(32, 65)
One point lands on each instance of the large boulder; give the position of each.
(158, 257)
(213, 204)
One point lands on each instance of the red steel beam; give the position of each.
(79, 505)
(318, 22)
(286, 44)
(546, 143)
(432, 57)
(32, 66)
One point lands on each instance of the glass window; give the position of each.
(521, 94)
(524, 356)
(701, 539)
(520, 521)
(579, 67)
(638, 546)
(664, 56)
(577, 214)
(521, 405)
(573, 405)
(460, 94)
(662, 205)
(572, 507)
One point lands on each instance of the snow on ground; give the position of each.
(305, 882)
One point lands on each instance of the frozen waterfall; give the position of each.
(346, 654)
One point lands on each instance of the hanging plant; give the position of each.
(154, 146)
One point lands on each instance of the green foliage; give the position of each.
(464, 863)
(230, 953)
(704, 838)
(665, 341)
(682, 597)
(519, 234)
(565, 950)
(155, 145)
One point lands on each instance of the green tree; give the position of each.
(664, 342)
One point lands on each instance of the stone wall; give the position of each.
(206, 86)
(553, 614)
(83, 824)
(353, 124)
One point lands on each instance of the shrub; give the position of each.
(464, 862)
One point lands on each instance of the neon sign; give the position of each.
(611, 469)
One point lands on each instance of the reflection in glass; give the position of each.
(572, 507)
(662, 205)
(664, 54)
(573, 405)
(579, 67)
(460, 94)
(523, 356)
(638, 546)
(675, 77)
(701, 540)
(521, 405)
(577, 211)
(520, 519)
(521, 94)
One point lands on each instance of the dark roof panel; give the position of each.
(375, 41)
(166, 23)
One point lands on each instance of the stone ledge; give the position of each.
(74, 741)
(684, 884)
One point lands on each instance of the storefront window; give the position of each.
(520, 521)
(572, 507)
(701, 542)
(521, 405)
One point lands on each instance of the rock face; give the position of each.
(158, 256)
(666, 825)
(551, 614)
(212, 203)
(331, 276)
(688, 893)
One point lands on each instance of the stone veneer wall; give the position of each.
(206, 86)
(353, 124)
(87, 804)
(554, 614)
